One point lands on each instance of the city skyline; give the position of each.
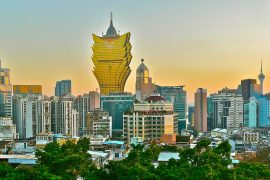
(204, 50)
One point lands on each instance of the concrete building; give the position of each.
(84, 104)
(7, 129)
(111, 58)
(227, 109)
(5, 93)
(63, 88)
(178, 96)
(251, 113)
(200, 110)
(251, 137)
(150, 119)
(116, 104)
(25, 116)
(144, 86)
(98, 123)
(44, 115)
(65, 119)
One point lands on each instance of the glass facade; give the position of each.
(111, 58)
(178, 96)
(116, 104)
(63, 88)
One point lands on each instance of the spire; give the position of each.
(111, 22)
(261, 65)
(111, 31)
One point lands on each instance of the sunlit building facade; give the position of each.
(5, 93)
(144, 85)
(111, 58)
(150, 119)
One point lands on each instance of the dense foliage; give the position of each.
(72, 161)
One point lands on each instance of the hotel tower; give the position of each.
(111, 58)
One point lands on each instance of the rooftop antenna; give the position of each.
(261, 65)
(0, 63)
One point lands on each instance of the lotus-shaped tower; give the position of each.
(111, 58)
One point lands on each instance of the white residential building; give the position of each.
(227, 110)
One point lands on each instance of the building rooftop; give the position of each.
(114, 142)
(166, 156)
(155, 98)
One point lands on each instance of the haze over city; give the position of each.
(209, 44)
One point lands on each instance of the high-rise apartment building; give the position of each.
(227, 109)
(98, 123)
(144, 85)
(150, 119)
(5, 93)
(85, 104)
(111, 58)
(178, 96)
(200, 110)
(44, 115)
(25, 116)
(65, 118)
(63, 88)
(116, 104)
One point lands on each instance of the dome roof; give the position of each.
(142, 66)
(111, 31)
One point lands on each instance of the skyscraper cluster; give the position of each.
(246, 106)
(151, 113)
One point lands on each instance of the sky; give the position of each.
(200, 44)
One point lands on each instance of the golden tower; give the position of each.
(111, 58)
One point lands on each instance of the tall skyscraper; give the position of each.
(144, 85)
(25, 116)
(5, 93)
(250, 113)
(63, 88)
(85, 104)
(248, 88)
(116, 104)
(261, 78)
(190, 117)
(111, 58)
(65, 119)
(178, 96)
(210, 113)
(227, 109)
(200, 113)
